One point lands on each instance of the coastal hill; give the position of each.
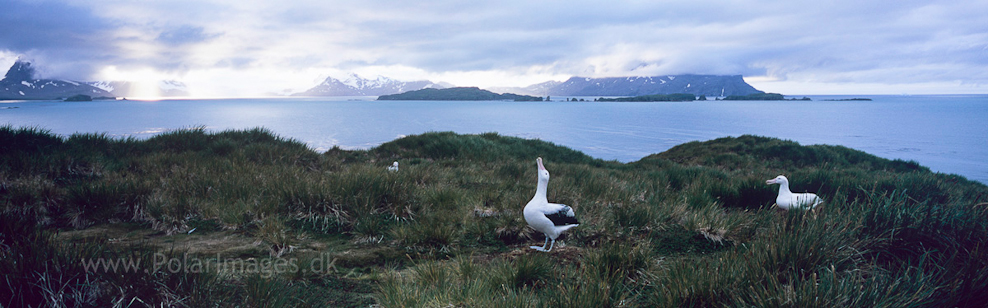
(456, 94)
(20, 83)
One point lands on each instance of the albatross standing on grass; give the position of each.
(788, 200)
(549, 218)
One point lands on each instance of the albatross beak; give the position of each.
(539, 160)
(772, 181)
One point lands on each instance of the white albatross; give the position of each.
(549, 218)
(393, 167)
(789, 201)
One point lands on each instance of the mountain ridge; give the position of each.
(709, 85)
(165, 88)
(20, 83)
(354, 85)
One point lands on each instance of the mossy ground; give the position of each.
(692, 226)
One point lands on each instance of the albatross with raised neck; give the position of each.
(788, 200)
(550, 218)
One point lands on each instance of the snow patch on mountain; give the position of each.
(105, 85)
(171, 85)
(355, 85)
(166, 88)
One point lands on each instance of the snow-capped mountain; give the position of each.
(354, 85)
(173, 88)
(20, 83)
(711, 85)
(164, 88)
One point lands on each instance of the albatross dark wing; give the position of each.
(564, 216)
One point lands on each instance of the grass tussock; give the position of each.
(690, 227)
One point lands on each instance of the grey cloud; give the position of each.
(235, 62)
(184, 35)
(73, 42)
(66, 41)
(835, 41)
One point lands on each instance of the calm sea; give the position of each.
(948, 133)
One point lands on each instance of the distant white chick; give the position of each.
(789, 201)
(393, 167)
(550, 218)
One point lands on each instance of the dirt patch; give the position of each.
(566, 254)
(226, 244)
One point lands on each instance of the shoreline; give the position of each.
(316, 147)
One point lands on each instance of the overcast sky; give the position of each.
(258, 47)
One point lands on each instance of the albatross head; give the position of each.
(543, 174)
(778, 180)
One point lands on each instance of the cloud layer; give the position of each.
(258, 47)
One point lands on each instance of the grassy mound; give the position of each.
(487, 147)
(692, 226)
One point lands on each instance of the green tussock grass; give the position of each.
(689, 227)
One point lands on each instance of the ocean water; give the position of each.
(948, 133)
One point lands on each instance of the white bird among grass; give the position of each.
(393, 167)
(549, 218)
(787, 200)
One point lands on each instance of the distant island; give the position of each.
(762, 97)
(848, 99)
(676, 97)
(87, 98)
(79, 98)
(685, 97)
(457, 94)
